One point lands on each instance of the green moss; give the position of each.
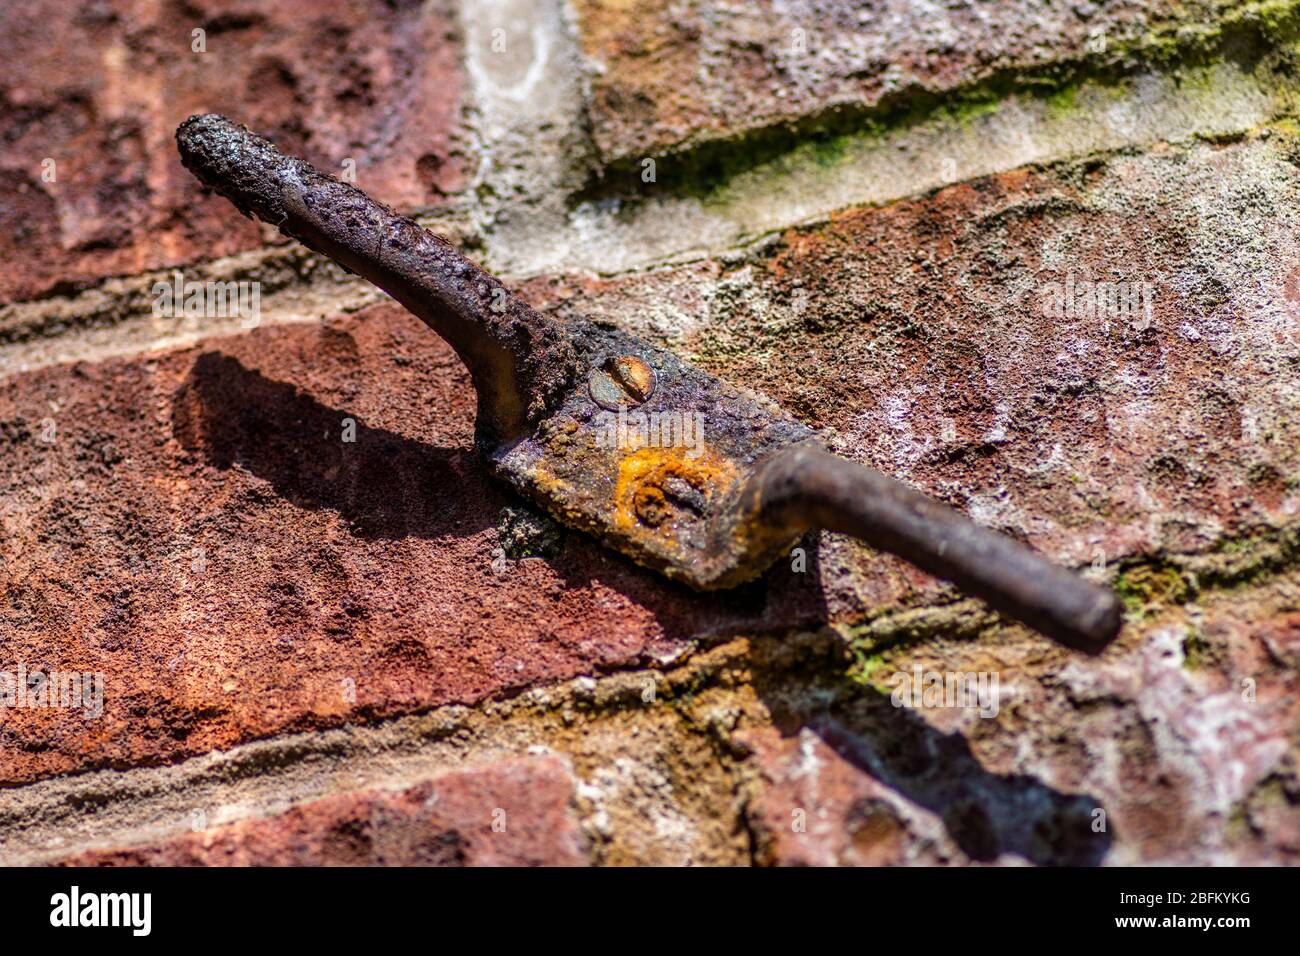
(1063, 101)
(1238, 826)
(525, 533)
(1196, 652)
(1202, 79)
(965, 108)
(1235, 546)
(1274, 21)
(869, 670)
(830, 151)
(1145, 587)
(1237, 562)
(1278, 18)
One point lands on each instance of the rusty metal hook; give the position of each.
(572, 414)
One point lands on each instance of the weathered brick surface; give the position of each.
(197, 530)
(820, 810)
(329, 565)
(511, 813)
(918, 333)
(672, 73)
(1177, 747)
(99, 89)
(193, 524)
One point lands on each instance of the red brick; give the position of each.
(372, 81)
(1176, 747)
(674, 73)
(819, 810)
(917, 333)
(511, 813)
(325, 566)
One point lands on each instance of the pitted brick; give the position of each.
(509, 813)
(373, 82)
(673, 74)
(194, 526)
(926, 335)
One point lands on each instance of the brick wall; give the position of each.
(319, 651)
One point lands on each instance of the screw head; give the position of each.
(621, 381)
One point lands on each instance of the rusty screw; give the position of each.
(621, 381)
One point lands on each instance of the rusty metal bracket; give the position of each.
(572, 414)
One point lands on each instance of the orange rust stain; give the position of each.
(639, 492)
